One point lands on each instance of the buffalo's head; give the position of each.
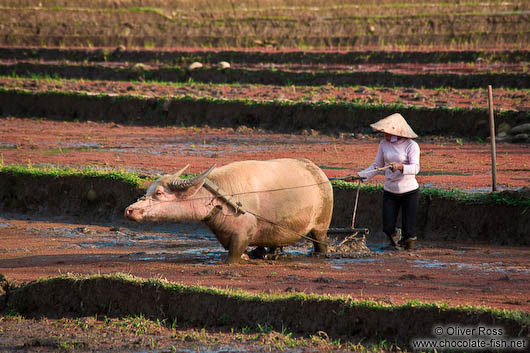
(170, 198)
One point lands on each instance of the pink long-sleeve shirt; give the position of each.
(405, 151)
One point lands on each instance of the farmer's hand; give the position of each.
(351, 178)
(396, 166)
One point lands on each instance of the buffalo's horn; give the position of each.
(177, 174)
(178, 184)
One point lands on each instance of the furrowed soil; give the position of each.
(268, 24)
(517, 100)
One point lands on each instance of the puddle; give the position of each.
(379, 248)
(349, 261)
(430, 264)
(104, 244)
(181, 145)
(495, 267)
(214, 149)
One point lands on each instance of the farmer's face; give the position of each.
(388, 137)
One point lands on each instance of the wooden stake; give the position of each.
(492, 135)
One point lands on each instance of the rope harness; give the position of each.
(238, 208)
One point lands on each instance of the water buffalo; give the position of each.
(249, 203)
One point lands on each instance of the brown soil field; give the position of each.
(268, 24)
(293, 27)
(446, 162)
(455, 273)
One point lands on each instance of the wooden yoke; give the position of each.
(218, 192)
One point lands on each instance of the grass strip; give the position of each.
(256, 56)
(64, 172)
(509, 198)
(267, 77)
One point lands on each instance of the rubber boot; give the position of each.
(408, 244)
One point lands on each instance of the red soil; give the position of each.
(450, 273)
(445, 163)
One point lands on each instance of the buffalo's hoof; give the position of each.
(258, 253)
(273, 253)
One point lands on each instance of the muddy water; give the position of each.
(176, 243)
(190, 243)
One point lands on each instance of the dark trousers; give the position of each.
(408, 203)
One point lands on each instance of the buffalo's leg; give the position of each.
(320, 242)
(238, 245)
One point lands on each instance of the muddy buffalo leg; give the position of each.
(238, 245)
(320, 243)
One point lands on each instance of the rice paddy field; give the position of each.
(143, 87)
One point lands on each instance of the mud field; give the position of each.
(457, 273)
(446, 163)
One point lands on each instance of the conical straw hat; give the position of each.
(396, 125)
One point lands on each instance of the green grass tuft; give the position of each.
(57, 172)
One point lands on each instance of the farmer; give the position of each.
(399, 156)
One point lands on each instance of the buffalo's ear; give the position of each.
(192, 190)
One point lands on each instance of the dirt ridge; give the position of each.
(276, 116)
(213, 56)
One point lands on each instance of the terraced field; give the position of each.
(271, 23)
